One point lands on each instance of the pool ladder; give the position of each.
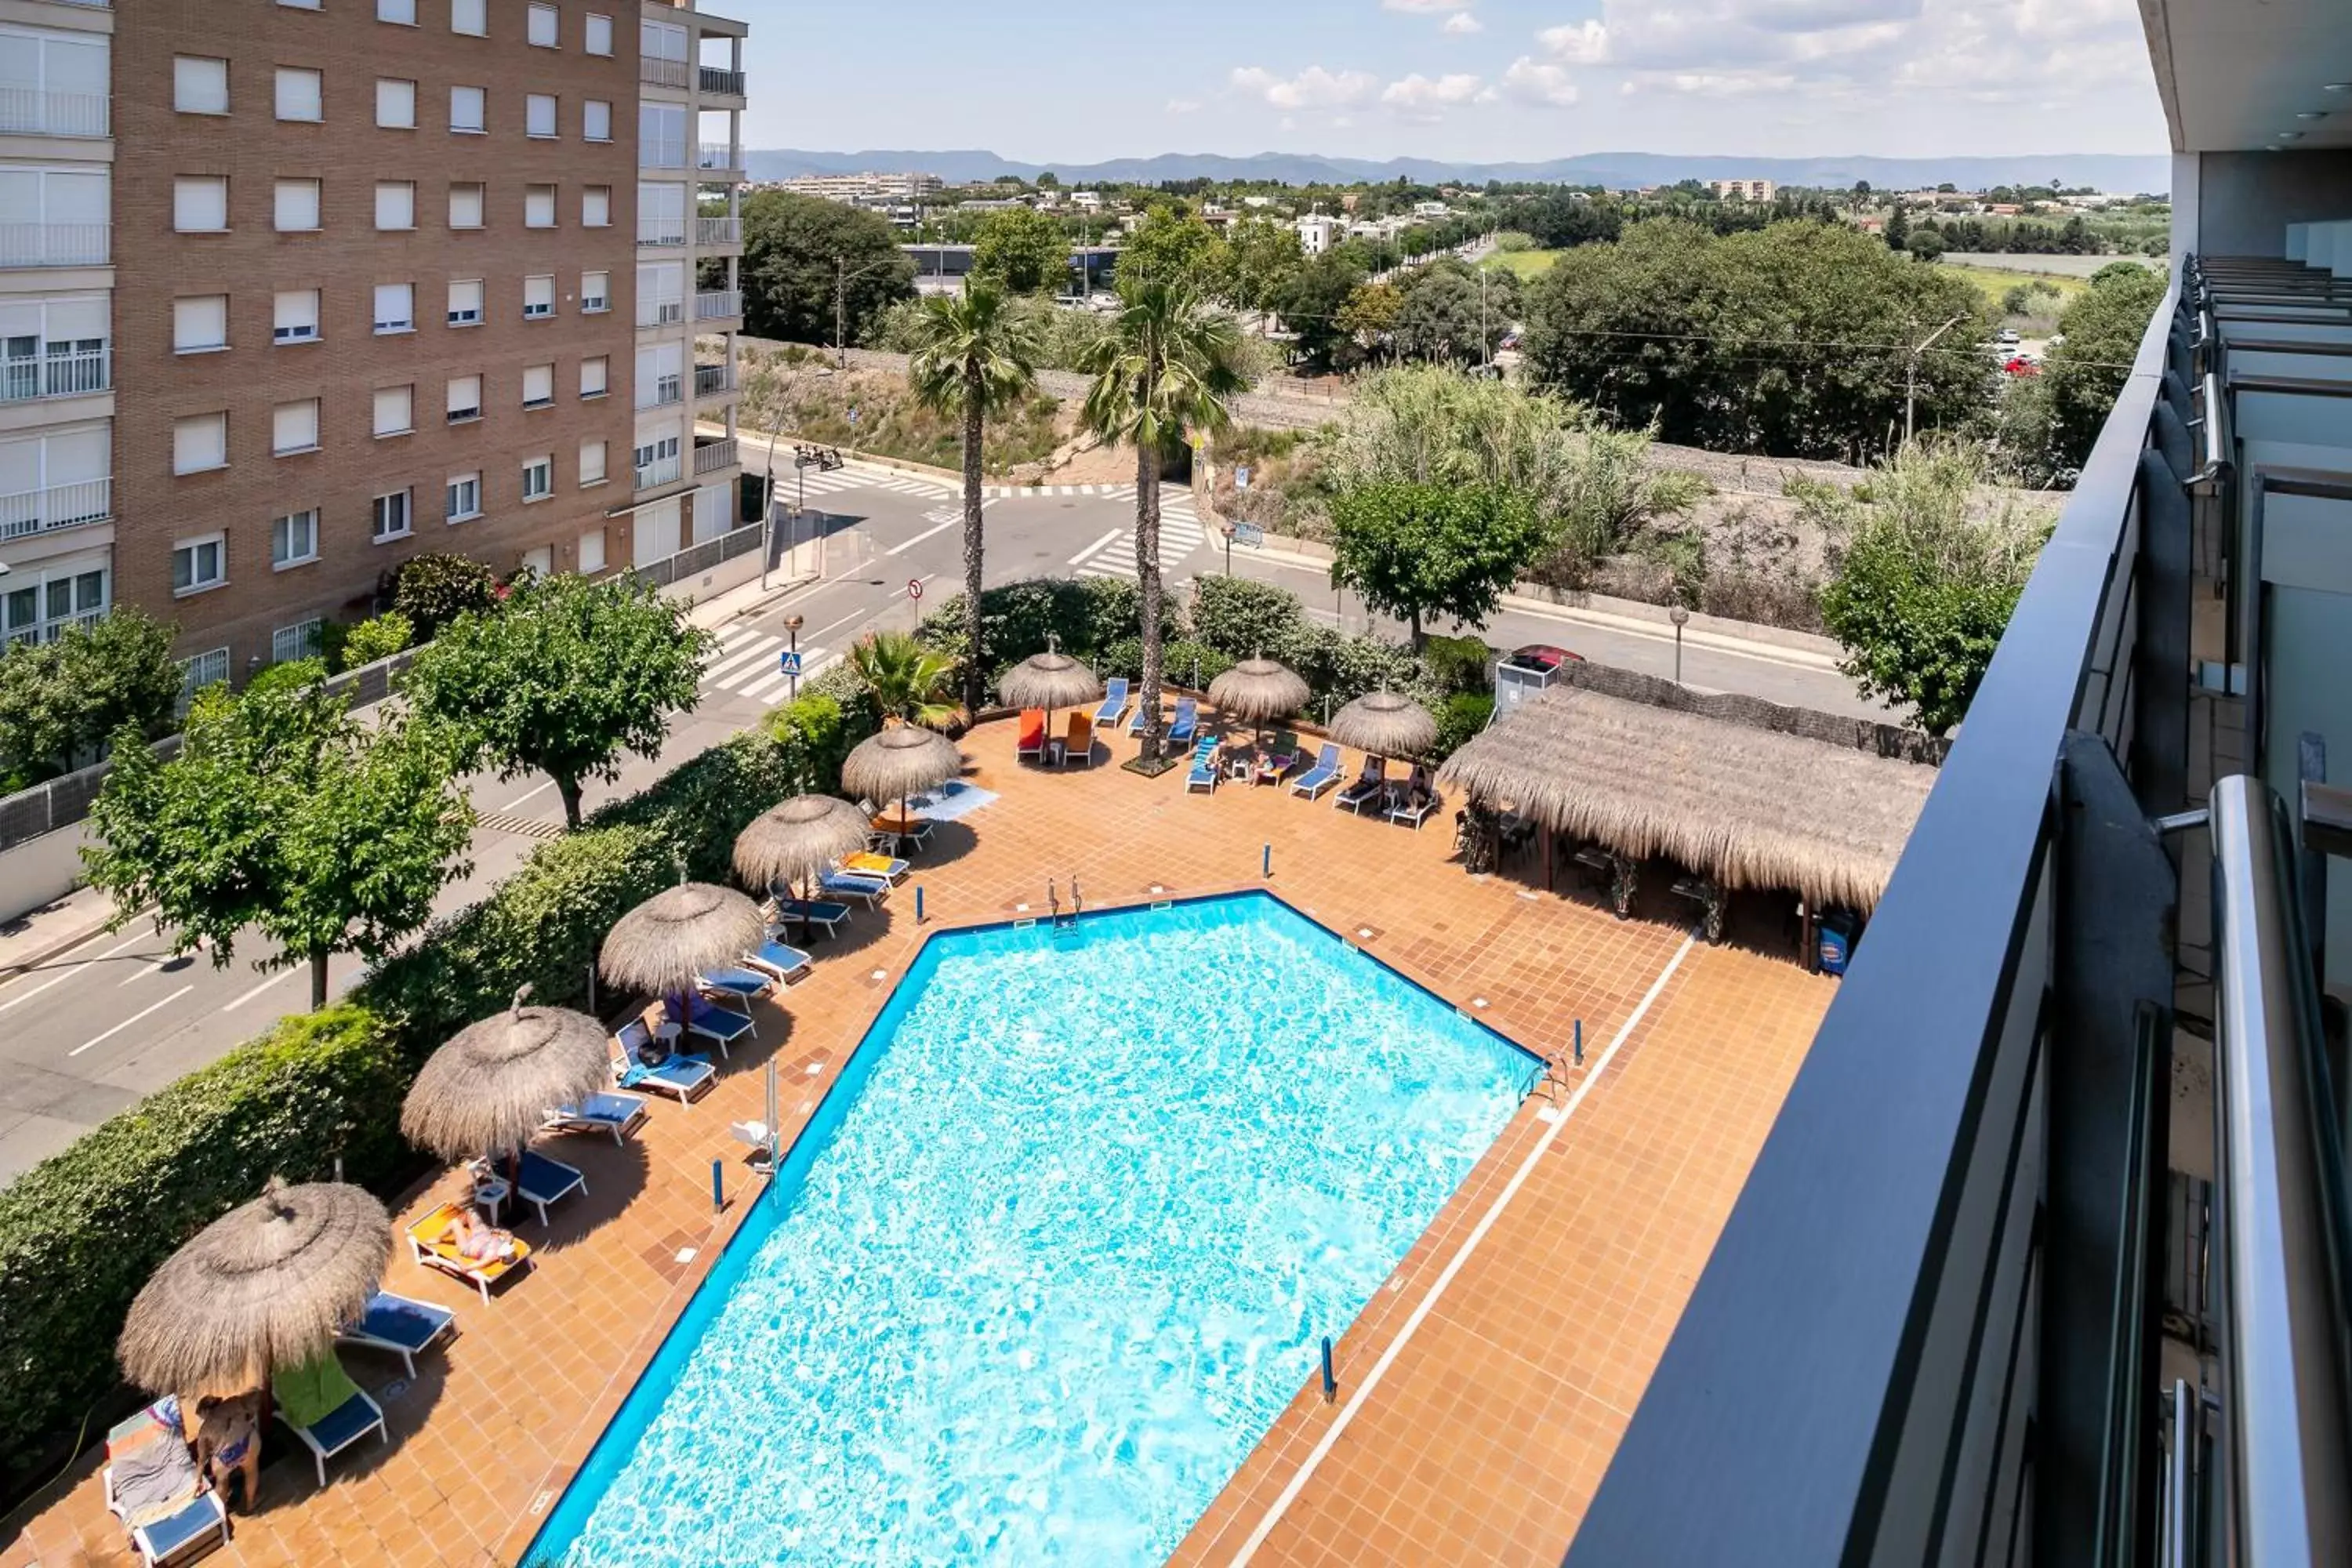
(1063, 921)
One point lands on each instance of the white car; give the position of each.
(2008, 338)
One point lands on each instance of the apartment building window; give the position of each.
(539, 114)
(596, 120)
(464, 500)
(538, 207)
(466, 207)
(300, 641)
(201, 669)
(200, 324)
(295, 204)
(200, 204)
(538, 479)
(465, 302)
(388, 517)
(199, 443)
(661, 136)
(467, 108)
(657, 461)
(298, 94)
(592, 550)
(464, 398)
(199, 563)
(300, 5)
(661, 294)
(594, 375)
(395, 104)
(199, 84)
(294, 427)
(470, 16)
(402, 12)
(395, 205)
(395, 307)
(596, 206)
(592, 464)
(538, 298)
(544, 26)
(40, 609)
(294, 539)
(595, 292)
(538, 386)
(599, 35)
(295, 317)
(395, 411)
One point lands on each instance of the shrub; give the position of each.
(1457, 664)
(291, 676)
(81, 1232)
(433, 589)
(61, 701)
(1459, 717)
(1085, 616)
(1184, 662)
(1242, 619)
(378, 637)
(1340, 668)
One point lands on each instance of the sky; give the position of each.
(1485, 80)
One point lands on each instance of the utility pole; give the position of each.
(1911, 378)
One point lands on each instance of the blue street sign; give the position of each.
(853, 416)
(1241, 478)
(1248, 533)
(790, 661)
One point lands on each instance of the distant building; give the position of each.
(1744, 190)
(1086, 200)
(857, 189)
(1257, 201)
(1317, 233)
(1430, 209)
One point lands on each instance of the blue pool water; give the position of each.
(1057, 1249)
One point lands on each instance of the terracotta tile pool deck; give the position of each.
(1480, 1393)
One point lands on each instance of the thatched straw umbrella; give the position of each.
(1050, 680)
(489, 1089)
(798, 841)
(1258, 690)
(660, 947)
(263, 1287)
(903, 760)
(1384, 724)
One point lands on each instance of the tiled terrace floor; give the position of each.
(1482, 1392)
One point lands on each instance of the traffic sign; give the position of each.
(914, 587)
(1241, 477)
(789, 661)
(853, 416)
(1248, 533)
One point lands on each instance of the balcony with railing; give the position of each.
(661, 391)
(72, 505)
(710, 380)
(664, 73)
(718, 305)
(46, 111)
(55, 244)
(662, 152)
(715, 231)
(657, 233)
(711, 457)
(74, 375)
(721, 82)
(718, 155)
(659, 472)
(659, 312)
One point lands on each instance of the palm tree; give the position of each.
(1167, 365)
(909, 683)
(975, 354)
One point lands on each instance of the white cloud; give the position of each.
(1583, 44)
(1461, 24)
(1183, 105)
(1417, 97)
(1544, 85)
(1314, 88)
(1423, 7)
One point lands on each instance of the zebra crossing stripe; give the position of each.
(742, 656)
(752, 669)
(773, 690)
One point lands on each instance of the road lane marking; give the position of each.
(134, 1017)
(1081, 558)
(62, 975)
(748, 653)
(278, 979)
(927, 533)
(529, 796)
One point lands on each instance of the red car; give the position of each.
(1541, 656)
(2021, 366)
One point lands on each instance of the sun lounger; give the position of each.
(1321, 776)
(1204, 766)
(786, 963)
(1080, 747)
(619, 1114)
(872, 890)
(743, 983)
(1186, 723)
(544, 1181)
(1114, 703)
(1371, 789)
(683, 1076)
(152, 1486)
(723, 1026)
(1417, 802)
(882, 866)
(429, 1244)
(1031, 740)
(824, 913)
(892, 834)
(321, 1405)
(1275, 768)
(400, 1325)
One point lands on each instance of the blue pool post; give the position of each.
(919, 904)
(1265, 862)
(1579, 1042)
(1330, 1383)
(718, 1186)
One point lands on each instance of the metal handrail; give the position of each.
(2211, 426)
(2287, 1386)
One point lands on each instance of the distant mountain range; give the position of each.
(2106, 171)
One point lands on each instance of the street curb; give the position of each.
(41, 955)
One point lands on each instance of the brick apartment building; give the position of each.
(294, 290)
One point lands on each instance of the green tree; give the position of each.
(2082, 376)
(1167, 368)
(797, 250)
(909, 683)
(1311, 306)
(1260, 257)
(1370, 316)
(70, 696)
(435, 588)
(1926, 244)
(1898, 229)
(1928, 580)
(379, 637)
(1416, 551)
(974, 357)
(1021, 249)
(569, 675)
(284, 814)
(1169, 247)
(1453, 315)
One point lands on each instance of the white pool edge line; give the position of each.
(1363, 1392)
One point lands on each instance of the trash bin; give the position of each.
(1837, 936)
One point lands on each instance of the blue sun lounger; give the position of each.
(1321, 776)
(619, 1114)
(680, 1076)
(401, 1325)
(353, 1416)
(545, 1181)
(1187, 722)
(1204, 766)
(781, 959)
(723, 1026)
(738, 981)
(850, 885)
(159, 1473)
(1114, 703)
(822, 912)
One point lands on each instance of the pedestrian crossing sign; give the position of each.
(789, 662)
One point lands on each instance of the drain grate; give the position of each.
(528, 826)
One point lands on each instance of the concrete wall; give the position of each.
(39, 871)
(2245, 200)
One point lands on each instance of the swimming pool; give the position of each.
(1058, 1249)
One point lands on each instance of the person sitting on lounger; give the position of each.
(228, 1443)
(477, 1241)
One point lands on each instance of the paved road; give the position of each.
(98, 1028)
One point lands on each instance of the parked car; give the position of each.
(1541, 656)
(2021, 365)
(2008, 338)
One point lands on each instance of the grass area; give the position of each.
(888, 423)
(1993, 282)
(1526, 263)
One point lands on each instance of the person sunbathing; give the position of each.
(228, 1444)
(478, 1242)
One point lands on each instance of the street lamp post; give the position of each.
(792, 629)
(1681, 617)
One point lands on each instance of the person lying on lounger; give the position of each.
(480, 1242)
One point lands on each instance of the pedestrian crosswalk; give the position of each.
(1108, 492)
(749, 665)
(1113, 555)
(860, 477)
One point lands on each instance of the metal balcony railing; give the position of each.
(55, 244)
(44, 112)
(663, 73)
(660, 231)
(718, 231)
(662, 152)
(712, 456)
(718, 305)
(54, 507)
(660, 312)
(718, 155)
(721, 80)
(661, 392)
(712, 378)
(653, 475)
(57, 375)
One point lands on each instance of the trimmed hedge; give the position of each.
(81, 1233)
